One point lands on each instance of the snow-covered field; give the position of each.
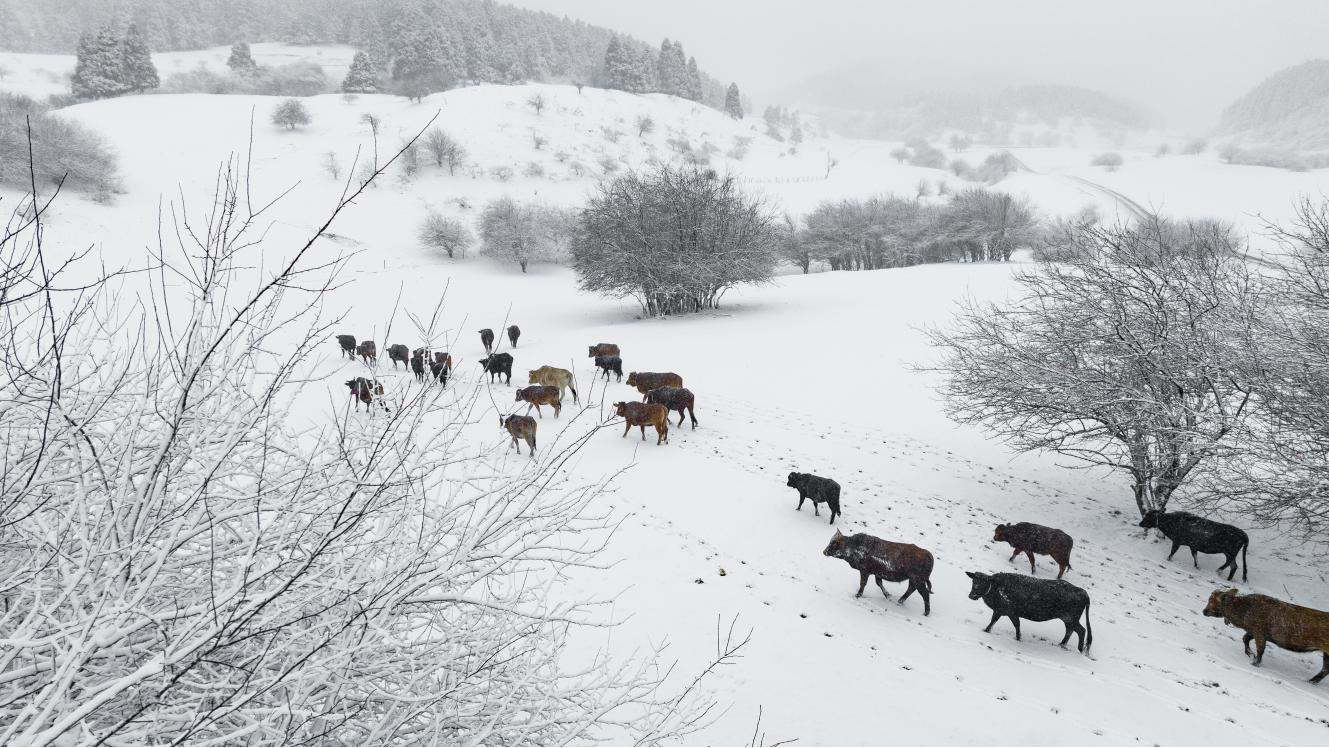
(813, 373)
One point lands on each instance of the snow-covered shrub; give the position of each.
(502, 173)
(611, 134)
(444, 150)
(534, 169)
(1110, 160)
(1195, 146)
(923, 153)
(290, 114)
(62, 149)
(523, 233)
(445, 234)
(739, 150)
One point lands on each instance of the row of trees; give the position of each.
(884, 232)
(1162, 351)
(109, 64)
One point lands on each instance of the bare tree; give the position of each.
(448, 235)
(676, 240)
(525, 233)
(186, 563)
(332, 165)
(645, 125)
(1280, 474)
(537, 102)
(1123, 356)
(444, 150)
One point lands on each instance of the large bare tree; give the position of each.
(1126, 355)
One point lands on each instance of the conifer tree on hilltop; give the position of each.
(733, 102)
(241, 60)
(694, 80)
(99, 71)
(139, 74)
(360, 77)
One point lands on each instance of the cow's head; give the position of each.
(837, 547)
(590, 351)
(521, 394)
(632, 379)
(982, 583)
(793, 480)
(1218, 602)
(533, 375)
(485, 361)
(1150, 518)
(1000, 534)
(621, 410)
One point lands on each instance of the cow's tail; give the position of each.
(1089, 628)
(929, 581)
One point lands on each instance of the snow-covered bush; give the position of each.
(1110, 160)
(523, 233)
(923, 153)
(445, 234)
(502, 173)
(1195, 146)
(534, 169)
(444, 150)
(62, 150)
(673, 239)
(290, 114)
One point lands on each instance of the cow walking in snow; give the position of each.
(887, 561)
(1016, 596)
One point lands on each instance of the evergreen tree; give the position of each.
(694, 90)
(241, 61)
(99, 69)
(136, 68)
(615, 66)
(733, 103)
(360, 77)
(672, 69)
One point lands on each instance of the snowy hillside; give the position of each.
(814, 373)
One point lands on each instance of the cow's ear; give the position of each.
(970, 574)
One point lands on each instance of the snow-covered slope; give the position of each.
(813, 374)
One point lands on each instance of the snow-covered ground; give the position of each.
(813, 373)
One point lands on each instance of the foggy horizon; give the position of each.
(1142, 53)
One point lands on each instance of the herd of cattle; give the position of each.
(1015, 596)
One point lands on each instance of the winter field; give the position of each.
(814, 373)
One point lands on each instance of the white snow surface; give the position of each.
(812, 373)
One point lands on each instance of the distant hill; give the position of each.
(869, 102)
(1289, 110)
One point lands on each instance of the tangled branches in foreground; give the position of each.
(183, 559)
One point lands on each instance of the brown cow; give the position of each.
(1268, 619)
(603, 349)
(1029, 538)
(363, 391)
(539, 394)
(367, 351)
(643, 415)
(444, 359)
(891, 562)
(645, 381)
(519, 427)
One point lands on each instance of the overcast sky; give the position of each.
(1182, 59)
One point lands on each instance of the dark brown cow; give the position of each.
(603, 349)
(645, 381)
(444, 359)
(1029, 538)
(607, 364)
(367, 351)
(347, 343)
(514, 332)
(891, 562)
(519, 427)
(1268, 619)
(363, 391)
(418, 365)
(539, 394)
(643, 415)
(487, 337)
(400, 353)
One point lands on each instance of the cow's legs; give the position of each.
(801, 499)
(516, 445)
(862, 582)
(1232, 570)
(1323, 671)
(816, 508)
(1246, 644)
(626, 429)
(1195, 558)
(882, 587)
(1175, 546)
(1030, 554)
(1014, 554)
(909, 591)
(643, 432)
(927, 601)
(1061, 569)
(993, 622)
(1259, 650)
(1016, 620)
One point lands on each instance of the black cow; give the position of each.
(439, 371)
(610, 363)
(364, 390)
(514, 332)
(1016, 596)
(1201, 535)
(498, 364)
(892, 562)
(487, 337)
(675, 398)
(1029, 538)
(818, 489)
(347, 343)
(418, 366)
(400, 353)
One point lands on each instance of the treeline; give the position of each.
(461, 40)
(974, 225)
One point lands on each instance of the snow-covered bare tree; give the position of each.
(445, 234)
(676, 240)
(1280, 474)
(524, 233)
(193, 552)
(1126, 355)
